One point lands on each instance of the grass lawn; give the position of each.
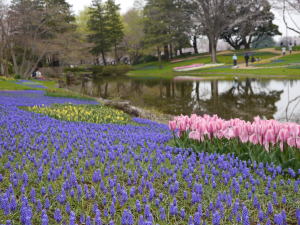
(288, 59)
(293, 71)
(263, 73)
(47, 84)
(50, 90)
(10, 86)
(62, 93)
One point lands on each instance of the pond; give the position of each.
(245, 99)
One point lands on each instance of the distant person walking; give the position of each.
(291, 48)
(247, 57)
(234, 58)
(283, 49)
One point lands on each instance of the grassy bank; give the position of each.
(10, 86)
(50, 89)
(271, 65)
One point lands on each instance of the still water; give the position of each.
(270, 99)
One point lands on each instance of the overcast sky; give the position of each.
(79, 4)
(127, 4)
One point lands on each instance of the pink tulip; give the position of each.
(294, 130)
(254, 139)
(194, 135)
(182, 126)
(291, 142)
(281, 146)
(270, 137)
(263, 132)
(283, 135)
(172, 125)
(298, 142)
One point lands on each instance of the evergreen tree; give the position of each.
(115, 25)
(99, 27)
(157, 24)
(167, 24)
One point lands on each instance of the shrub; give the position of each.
(148, 58)
(113, 70)
(78, 69)
(17, 76)
(116, 70)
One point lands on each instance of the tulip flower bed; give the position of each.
(84, 113)
(266, 141)
(61, 172)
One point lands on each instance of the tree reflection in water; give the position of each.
(229, 99)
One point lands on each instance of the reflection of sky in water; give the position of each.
(290, 88)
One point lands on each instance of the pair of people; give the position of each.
(283, 49)
(37, 74)
(247, 58)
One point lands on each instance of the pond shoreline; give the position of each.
(158, 99)
(129, 108)
(135, 111)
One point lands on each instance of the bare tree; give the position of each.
(4, 40)
(256, 28)
(293, 5)
(215, 16)
(33, 33)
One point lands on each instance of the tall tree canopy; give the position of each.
(106, 27)
(254, 29)
(133, 33)
(115, 25)
(215, 16)
(167, 25)
(34, 29)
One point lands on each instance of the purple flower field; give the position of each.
(58, 172)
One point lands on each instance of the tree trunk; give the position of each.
(198, 90)
(14, 59)
(247, 45)
(106, 90)
(159, 57)
(173, 89)
(168, 90)
(116, 54)
(182, 90)
(195, 45)
(175, 52)
(180, 51)
(166, 52)
(214, 89)
(213, 48)
(171, 51)
(161, 94)
(103, 58)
